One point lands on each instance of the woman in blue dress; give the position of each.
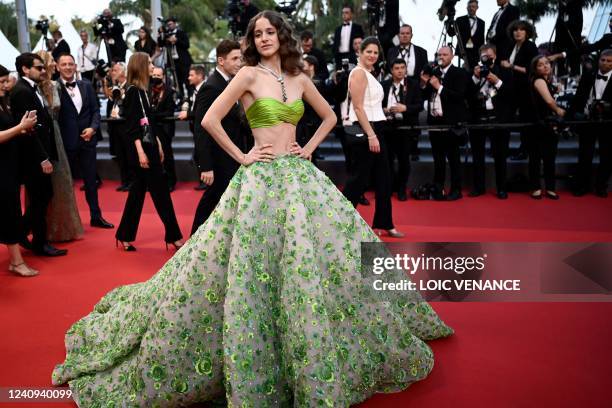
(265, 305)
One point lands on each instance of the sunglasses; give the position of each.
(39, 67)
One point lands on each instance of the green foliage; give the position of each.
(8, 22)
(534, 10)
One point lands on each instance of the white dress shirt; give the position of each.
(496, 17)
(86, 58)
(436, 102)
(599, 87)
(392, 99)
(345, 38)
(407, 55)
(35, 86)
(75, 94)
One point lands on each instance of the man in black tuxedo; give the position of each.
(490, 98)
(79, 121)
(308, 48)
(471, 33)
(216, 166)
(36, 150)
(176, 42)
(61, 46)
(388, 23)
(497, 33)
(445, 89)
(402, 103)
(197, 75)
(415, 56)
(594, 91)
(111, 30)
(343, 37)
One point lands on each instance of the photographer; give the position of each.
(240, 13)
(402, 103)
(344, 36)
(471, 33)
(414, 56)
(385, 15)
(111, 31)
(86, 57)
(593, 101)
(162, 106)
(308, 48)
(176, 43)
(60, 46)
(444, 86)
(114, 88)
(491, 102)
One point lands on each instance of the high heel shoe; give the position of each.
(552, 195)
(393, 233)
(127, 246)
(536, 195)
(22, 269)
(176, 244)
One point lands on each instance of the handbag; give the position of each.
(354, 133)
(147, 130)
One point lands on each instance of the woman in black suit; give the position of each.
(145, 43)
(162, 106)
(524, 51)
(146, 156)
(11, 230)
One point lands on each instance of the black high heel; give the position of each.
(127, 247)
(175, 245)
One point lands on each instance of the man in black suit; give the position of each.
(111, 30)
(490, 98)
(497, 33)
(471, 33)
(216, 166)
(197, 75)
(445, 90)
(176, 42)
(79, 121)
(61, 46)
(415, 56)
(402, 103)
(388, 23)
(343, 37)
(594, 91)
(308, 48)
(36, 150)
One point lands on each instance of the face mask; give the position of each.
(156, 81)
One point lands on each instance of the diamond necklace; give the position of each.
(280, 78)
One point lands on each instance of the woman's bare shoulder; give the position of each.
(247, 73)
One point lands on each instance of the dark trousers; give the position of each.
(445, 146)
(500, 140)
(83, 161)
(399, 143)
(89, 75)
(366, 162)
(542, 146)
(152, 179)
(40, 191)
(122, 150)
(211, 197)
(587, 138)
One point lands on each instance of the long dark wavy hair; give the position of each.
(291, 57)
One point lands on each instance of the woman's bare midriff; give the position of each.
(280, 137)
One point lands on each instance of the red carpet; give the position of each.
(503, 354)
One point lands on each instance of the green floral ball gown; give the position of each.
(263, 306)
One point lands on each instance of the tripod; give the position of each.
(170, 68)
(450, 29)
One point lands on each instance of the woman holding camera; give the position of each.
(11, 228)
(542, 138)
(146, 156)
(365, 108)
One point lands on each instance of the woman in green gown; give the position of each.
(265, 305)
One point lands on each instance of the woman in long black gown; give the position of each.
(11, 231)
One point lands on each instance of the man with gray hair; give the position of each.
(86, 57)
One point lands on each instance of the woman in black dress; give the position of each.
(145, 42)
(542, 139)
(11, 231)
(145, 156)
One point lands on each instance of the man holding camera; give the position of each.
(114, 88)
(471, 33)
(87, 55)
(111, 31)
(414, 56)
(593, 101)
(401, 103)
(176, 43)
(491, 103)
(343, 37)
(444, 86)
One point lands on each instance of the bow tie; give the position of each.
(602, 77)
(70, 84)
(346, 24)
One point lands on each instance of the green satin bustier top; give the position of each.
(268, 112)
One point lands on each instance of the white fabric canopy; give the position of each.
(8, 54)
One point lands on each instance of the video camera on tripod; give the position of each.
(103, 26)
(42, 25)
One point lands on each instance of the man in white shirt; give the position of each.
(415, 56)
(87, 55)
(343, 37)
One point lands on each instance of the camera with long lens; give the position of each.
(42, 25)
(287, 7)
(447, 10)
(164, 30)
(485, 66)
(103, 69)
(102, 28)
(600, 110)
(433, 70)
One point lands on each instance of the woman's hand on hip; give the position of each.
(299, 151)
(261, 153)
